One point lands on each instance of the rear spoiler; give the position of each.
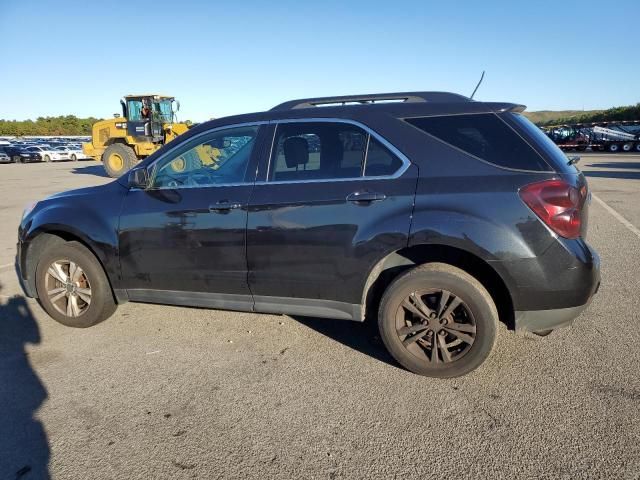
(506, 107)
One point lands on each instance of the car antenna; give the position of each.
(476, 89)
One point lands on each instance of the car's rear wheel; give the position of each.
(47, 158)
(74, 158)
(437, 320)
(72, 286)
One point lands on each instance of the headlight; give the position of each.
(28, 208)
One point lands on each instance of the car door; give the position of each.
(183, 239)
(335, 198)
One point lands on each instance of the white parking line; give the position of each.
(618, 217)
(6, 266)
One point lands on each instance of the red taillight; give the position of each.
(558, 204)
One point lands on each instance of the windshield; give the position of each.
(161, 110)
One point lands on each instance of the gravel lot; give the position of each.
(168, 392)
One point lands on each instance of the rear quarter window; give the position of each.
(554, 156)
(484, 136)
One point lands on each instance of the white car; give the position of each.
(76, 153)
(50, 154)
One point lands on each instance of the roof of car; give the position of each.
(372, 99)
(359, 107)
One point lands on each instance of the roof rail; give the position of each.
(400, 97)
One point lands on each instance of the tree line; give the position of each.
(631, 112)
(62, 125)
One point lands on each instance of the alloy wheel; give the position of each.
(436, 326)
(68, 288)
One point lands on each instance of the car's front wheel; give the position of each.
(72, 286)
(437, 320)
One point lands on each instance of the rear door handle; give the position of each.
(224, 206)
(365, 197)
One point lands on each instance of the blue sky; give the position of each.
(225, 57)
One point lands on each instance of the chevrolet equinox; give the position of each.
(437, 215)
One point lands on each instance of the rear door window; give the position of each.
(484, 136)
(304, 151)
(380, 161)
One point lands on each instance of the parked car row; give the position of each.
(41, 150)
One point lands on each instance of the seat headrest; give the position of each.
(296, 151)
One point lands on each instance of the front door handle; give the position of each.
(224, 206)
(365, 197)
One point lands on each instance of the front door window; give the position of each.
(219, 159)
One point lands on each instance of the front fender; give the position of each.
(89, 219)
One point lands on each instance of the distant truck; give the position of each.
(599, 136)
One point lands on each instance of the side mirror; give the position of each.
(177, 105)
(139, 178)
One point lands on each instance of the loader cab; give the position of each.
(146, 115)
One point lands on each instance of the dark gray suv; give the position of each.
(437, 215)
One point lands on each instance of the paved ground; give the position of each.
(167, 392)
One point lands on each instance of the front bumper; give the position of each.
(30, 159)
(20, 268)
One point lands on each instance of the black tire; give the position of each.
(637, 147)
(47, 158)
(74, 158)
(124, 153)
(613, 147)
(17, 159)
(476, 312)
(101, 305)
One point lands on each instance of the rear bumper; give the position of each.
(587, 283)
(542, 320)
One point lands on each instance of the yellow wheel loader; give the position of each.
(147, 123)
